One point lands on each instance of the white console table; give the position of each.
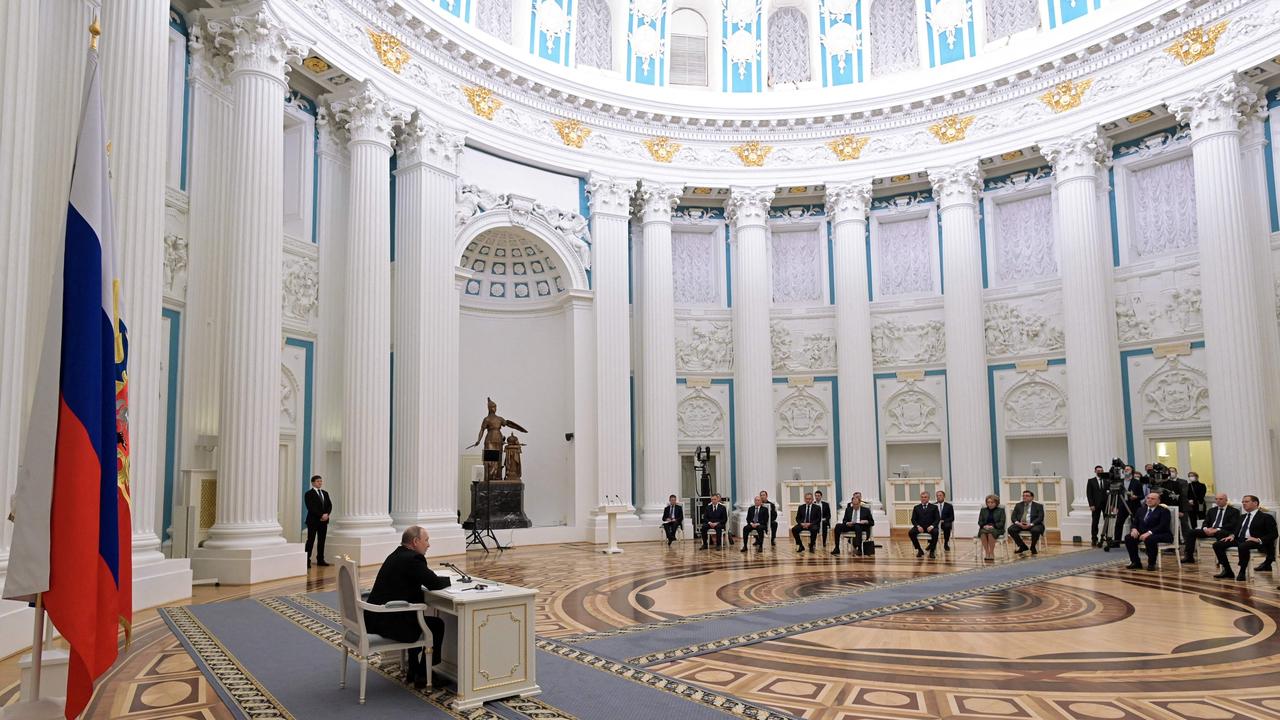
(489, 646)
(612, 511)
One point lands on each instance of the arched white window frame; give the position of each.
(676, 45)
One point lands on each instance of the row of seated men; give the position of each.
(1248, 529)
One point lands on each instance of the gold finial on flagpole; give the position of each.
(94, 31)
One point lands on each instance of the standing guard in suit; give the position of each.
(1028, 515)
(1194, 506)
(319, 506)
(857, 520)
(1134, 492)
(924, 519)
(773, 517)
(403, 576)
(757, 522)
(1257, 531)
(1095, 493)
(826, 514)
(1151, 526)
(672, 518)
(808, 519)
(1219, 522)
(714, 519)
(946, 518)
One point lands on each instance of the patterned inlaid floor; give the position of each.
(1104, 644)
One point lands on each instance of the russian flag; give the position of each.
(72, 519)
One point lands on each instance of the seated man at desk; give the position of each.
(403, 576)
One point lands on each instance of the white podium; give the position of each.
(612, 511)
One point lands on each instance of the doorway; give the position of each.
(1187, 454)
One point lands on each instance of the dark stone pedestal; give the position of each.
(506, 510)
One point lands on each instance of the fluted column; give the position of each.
(610, 209)
(332, 168)
(969, 424)
(424, 465)
(747, 210)
(245, 543)
(658, 363)
(362, 523)
(1237, 354)
(1094, 412)
(847, 205)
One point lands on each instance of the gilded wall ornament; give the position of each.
(848, 147)
(1066, 95)
(572, 132)
(952, 128)
(1197, 43)
(662, 149)
(316, 64)
(1138, 117)
(483, 102)
(752, 154)
(389, 50)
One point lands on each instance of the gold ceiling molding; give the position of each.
(1138, 117)
(899, 179)
(662, 149)
(848, 147)
(752, 154)
(1011, 155)
(390, 51)
(952, 128)
(572, 132)
(316, 64)
(483, 102)
(1197, 43)
(1066, 95)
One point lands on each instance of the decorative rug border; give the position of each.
(845, 618)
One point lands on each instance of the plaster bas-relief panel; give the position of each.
(802, 344)
(905, 257)
(695, 263)
(300, 289)
(1024, 239)
(803, 413)
(293, 372)
(702, 414)
(913, 409)
(1024, 326)
(1159, 304)
(1163, 204)
(798, 268)
(1168, 394)
(1035, 403)
(917, 338)
(176, 251)
(704, 345)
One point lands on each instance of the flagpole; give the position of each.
(37, 646)
(34, 707)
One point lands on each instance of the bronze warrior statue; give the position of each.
(491, 433)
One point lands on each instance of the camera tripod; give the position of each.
(483, 535)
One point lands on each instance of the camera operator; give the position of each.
(1132, 494)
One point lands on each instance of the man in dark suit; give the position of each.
(773, 517)
(713, 521)
(757, 522)
(946, 517)
(1257, 532)
(1028, 516)
(318, 508)
(672, 518)
(1221, 520)
(826, 514)
(1095, 493)
(1152, 525)
(403, 576)
(924, 519)
(1133, 494)
(808, 519)
(1193, 503)
(857, 520)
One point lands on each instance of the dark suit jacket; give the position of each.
(758, 515)
(946, 512)
(715, 514)
(826, 511)
(402, 576)
(1134, 487)
(864, 514)
(316, 506)
(678, 513)
(924, 516)
(1262, 527)
(1036, 514)
(1230, 519)
(993, 517)
(811, 514)
(1095, 493)
(1195, 497)
(1157, 522)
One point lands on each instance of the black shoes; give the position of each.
(1224, 575)
(1241, 577)
(322, 563)
(919, 552)
(744, 548)
(1151, 567)
(1188, 561)
(1134, 566)
(1033, 549)
(1264, 567)
(1019, 551)
(946, 547)
(931, 555)
(799, 548)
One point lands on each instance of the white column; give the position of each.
(333, 168)
(135, 43)
(757, 450)
(658, 348)
(968, 419)
(610, 209)
(424, 465)
(1230, 297)
(1095, 432)
(1257, 208)
(362, 524)
(847, 205)
(245, 544)
(579, 375)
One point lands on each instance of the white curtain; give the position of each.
(788, 46)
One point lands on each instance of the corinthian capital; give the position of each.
(848, 200)
(749, 205)
(1081, 154)
(422, 140)
(209, 66)
(957, 184)
(330, 135)
(657, 200)
(610, 195)
(1221, 106)
(254, 40)
(367, 114)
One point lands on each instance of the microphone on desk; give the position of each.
(462, 577)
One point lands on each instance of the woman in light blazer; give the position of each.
(990, 526)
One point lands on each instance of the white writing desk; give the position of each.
(488, 640)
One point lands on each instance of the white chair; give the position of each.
(355, 639)
(1002, 545)
(1176, 527)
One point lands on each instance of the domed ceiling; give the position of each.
(511, 265)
